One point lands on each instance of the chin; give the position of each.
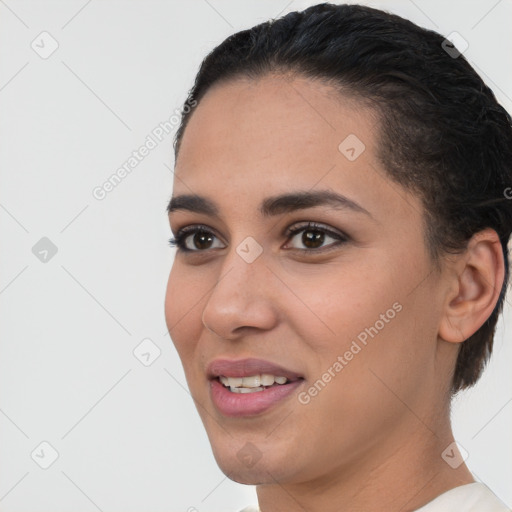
(248, 465)
(237, 472)
(249, 477)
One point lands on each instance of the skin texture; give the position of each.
(372, 438)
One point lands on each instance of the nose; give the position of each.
(242, 300)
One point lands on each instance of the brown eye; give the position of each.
(195, 239)
(314, 237)
(201, 240)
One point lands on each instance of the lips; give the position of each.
(253, 400)
(247, 368)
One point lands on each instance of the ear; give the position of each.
(478, 276)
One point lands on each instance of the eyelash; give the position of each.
(181, 236)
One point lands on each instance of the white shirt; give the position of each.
(473, 497)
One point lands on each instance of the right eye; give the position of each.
(195, 239)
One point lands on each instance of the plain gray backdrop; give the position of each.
(94, 409)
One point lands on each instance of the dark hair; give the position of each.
(443, 135)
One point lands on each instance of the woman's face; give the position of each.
(347, 308)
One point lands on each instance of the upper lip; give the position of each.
(248, 367)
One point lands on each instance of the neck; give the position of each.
(404, 475)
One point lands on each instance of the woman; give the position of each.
(341, 220)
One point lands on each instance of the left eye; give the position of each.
(314, 237)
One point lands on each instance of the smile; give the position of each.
(248, 387)
(253, 383)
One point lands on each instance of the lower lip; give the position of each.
(249, 404)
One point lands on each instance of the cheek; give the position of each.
(366, 316)
(183, 312)
(380, 331)
(339, 302)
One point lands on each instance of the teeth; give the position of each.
(246, 390)
(251, 383)
(267, 380)
(233, 382)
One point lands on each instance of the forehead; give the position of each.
(251, 119)
(255, 138)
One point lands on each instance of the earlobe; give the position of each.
(478, 278)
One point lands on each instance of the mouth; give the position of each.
(249, 387)
(252, 383)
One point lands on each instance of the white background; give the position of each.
(127, 435)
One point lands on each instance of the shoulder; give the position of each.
(473, 497)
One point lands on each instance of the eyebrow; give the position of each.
(271, 206)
